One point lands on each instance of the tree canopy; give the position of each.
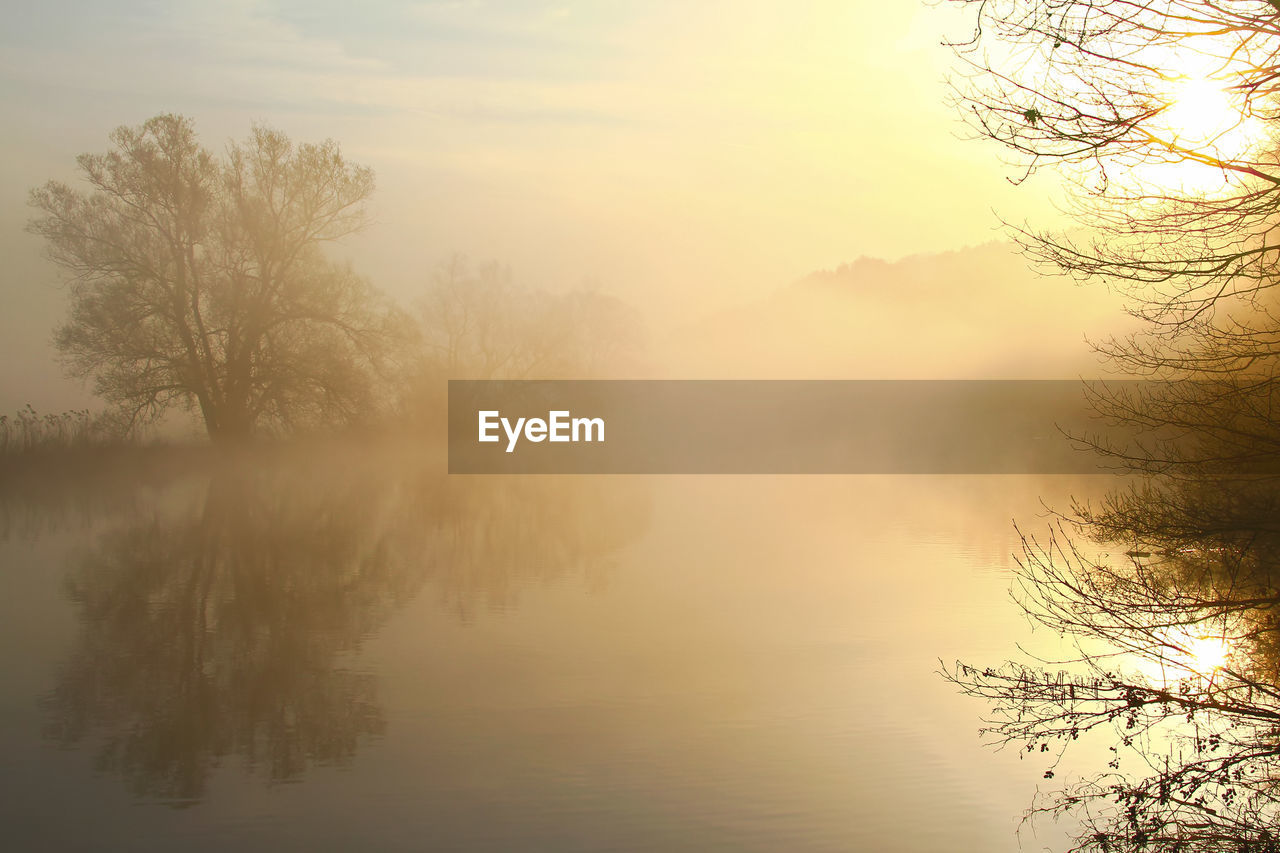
(200, 280)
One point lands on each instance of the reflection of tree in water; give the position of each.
(220, 629)
(1170, 592)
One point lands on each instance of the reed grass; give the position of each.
(29, 432)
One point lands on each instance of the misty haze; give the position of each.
(258, 256)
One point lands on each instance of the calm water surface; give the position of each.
(339, 652)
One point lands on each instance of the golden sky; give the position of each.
(678, 154)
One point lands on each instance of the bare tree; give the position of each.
(1162, 115)
(1095, 86)
(199, 280)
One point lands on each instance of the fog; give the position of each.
(246, 602)
(694, 164)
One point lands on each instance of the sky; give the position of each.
(679, 155)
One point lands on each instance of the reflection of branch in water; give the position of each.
(1175, 666)
(219, 629)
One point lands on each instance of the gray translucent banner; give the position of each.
(772, 427)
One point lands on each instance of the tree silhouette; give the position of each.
(1106, 90)
(200, 281)
(1161, 114)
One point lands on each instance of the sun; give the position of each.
(1207, 654)
(1203, 124)
(1204, 113)
(1182, 654)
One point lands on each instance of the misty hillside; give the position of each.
(979, 312)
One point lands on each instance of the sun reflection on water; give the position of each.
(1207, 654)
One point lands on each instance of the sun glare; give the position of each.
(1186, 655)
(1203, 112)
(1208, 654)
(1206, 117)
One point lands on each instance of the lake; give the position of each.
(335, 650)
